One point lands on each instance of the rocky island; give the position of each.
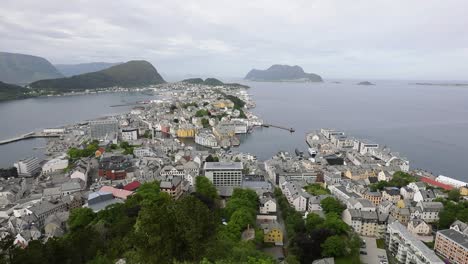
(282, 73)
(365, 83)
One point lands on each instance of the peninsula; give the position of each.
(282, 73)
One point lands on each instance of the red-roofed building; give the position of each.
(132, 186)
(118, 193)
(436, 183)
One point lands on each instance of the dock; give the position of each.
(28, 136)
(290, 129)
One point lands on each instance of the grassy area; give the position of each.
(380, 243)
(355, 259)
(316, 189)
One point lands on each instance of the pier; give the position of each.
(28, 136)
(290, 129)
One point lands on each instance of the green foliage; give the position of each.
(147, 134)
(87, 151)
(12, 92)
(453, 211)
(80, 218)
(332, 205)
(204, 187)
(454, 195)
(399, 179)
(212, 82)
(238, 103)
(201, 113)
(210, 158)
(313, 221)
(333, 247)
(205, 123)
(128, 149)
(316, 189)
(130, 74)
(380, 243)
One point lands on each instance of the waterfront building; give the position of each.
(28, 167)
(450, 181)
(452, 243)
(107, 129)
(54, 165)
(224, 174)
(129, 134)
(407, 248)
(186, 131)
(206, 138)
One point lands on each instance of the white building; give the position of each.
(407, 248)
(419, 227)
(224, 174)
(206, 139)
(54, 165)
(129, 134)
(450, 181)
(267, 205)
(143, 152)
(28, 167)
(427, 211)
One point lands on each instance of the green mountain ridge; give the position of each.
(12, 92)
(23, 69)
(127, 75)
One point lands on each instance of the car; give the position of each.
(363, 252)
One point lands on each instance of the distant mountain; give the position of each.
(212, 82)
(11, 91)
(23, 69)
(282, 73)
(76, 69)
(129, 74)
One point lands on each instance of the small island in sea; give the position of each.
(365, 83)
(282, 73)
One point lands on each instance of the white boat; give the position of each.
(312, 152)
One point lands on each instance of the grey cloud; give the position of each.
(348, 39)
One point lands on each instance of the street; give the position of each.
(374, 254)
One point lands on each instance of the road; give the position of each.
(374, 254)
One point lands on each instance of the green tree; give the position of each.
(205, 123)
(333, 247)
(201, 113)
(454, 195)
(334, 223)
(80, 218)
(313, 221)
(204, 187)
(331, 205)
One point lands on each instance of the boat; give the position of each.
(312, 152)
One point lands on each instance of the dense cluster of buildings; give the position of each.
(184, 135)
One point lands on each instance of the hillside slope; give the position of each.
(23, 69)
(129, 74)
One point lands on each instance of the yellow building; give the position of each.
(220, 104)
(359, 174)
(273, 234)
(464, 191)
(186, 132)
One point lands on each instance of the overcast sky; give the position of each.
(394, 39)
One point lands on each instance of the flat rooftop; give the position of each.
(223, 166)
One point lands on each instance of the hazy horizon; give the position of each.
(418, 40)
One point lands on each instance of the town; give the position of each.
(345, 200)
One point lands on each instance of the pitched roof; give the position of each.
(132, 186)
